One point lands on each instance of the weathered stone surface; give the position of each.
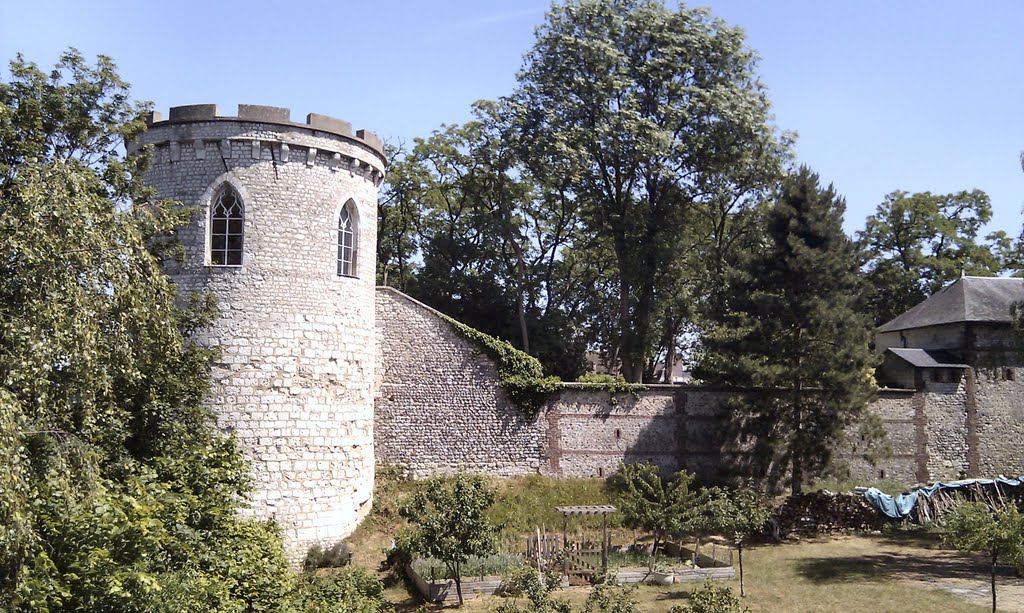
(294, 380)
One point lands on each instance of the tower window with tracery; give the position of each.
(227, 217)
(347, 241)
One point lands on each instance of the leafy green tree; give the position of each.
(791, 324)
(648, 502)
(973, 526)
(739, 514)
(651, 111)
(917, 243)
(490, 235)
(120, 494)
(449, 523)
(399, 212)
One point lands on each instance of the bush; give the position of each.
(525, 582)
(344, 591)
(335, 556)
(712, 599)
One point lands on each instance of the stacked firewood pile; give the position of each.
(930, 509)
(825, 511)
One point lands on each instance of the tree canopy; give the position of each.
(652, 113)
(917, 243)
(119, 492)
(791, 323)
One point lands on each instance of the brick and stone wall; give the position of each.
(440, 408)
(294, 380)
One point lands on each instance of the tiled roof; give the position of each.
(924, 358)
(984, 299)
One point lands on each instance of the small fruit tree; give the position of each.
(448, 522)
(974, 526)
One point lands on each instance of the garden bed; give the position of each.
(482, 576)
(678, 564)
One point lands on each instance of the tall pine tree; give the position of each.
(790, 327)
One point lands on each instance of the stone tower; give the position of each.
(285, 237)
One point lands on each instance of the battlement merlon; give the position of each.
(270, 115)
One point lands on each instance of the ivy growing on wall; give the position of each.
(522, 376)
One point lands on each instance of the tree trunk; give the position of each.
(797, 449)
(994, 583)
(458, 582)
(739, 549)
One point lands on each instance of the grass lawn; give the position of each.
(892, 571)
(879, 572)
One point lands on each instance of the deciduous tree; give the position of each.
(449, 523)
(973, 526)
(118, 492)
(653, 112)
(916, 243)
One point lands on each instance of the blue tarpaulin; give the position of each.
(900, 507)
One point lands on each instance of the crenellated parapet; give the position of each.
(283, 234)
(258, 132)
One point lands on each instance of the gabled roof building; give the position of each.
(968, 323)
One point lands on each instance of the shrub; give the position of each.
(335, 556)
(344, 591)
(712, 599)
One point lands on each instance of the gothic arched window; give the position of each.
(227, 215)
(348, 240)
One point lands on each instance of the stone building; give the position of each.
(321, 375)
(285, 238)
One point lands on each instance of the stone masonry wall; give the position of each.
(294, 380)
(439, 407)
(1000, 399)
(945, 407)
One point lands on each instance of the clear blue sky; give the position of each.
(910, 94)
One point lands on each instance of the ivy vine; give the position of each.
(522, 376)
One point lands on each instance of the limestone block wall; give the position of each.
(945, 409)
(591, 432)
(294, 381)
(904, 422)
(1000, 427)
(439, 407)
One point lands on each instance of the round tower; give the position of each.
(285, 237)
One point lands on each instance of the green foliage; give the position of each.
(335, 556)
(526, 582)
(347, 590)
(791, 323)
(739, 514)
(119, 493)
(917, 243)
(449, 523)
(712, 598)
(974, 527)
(651, 503)
(524, 503)
(519, 373)
(488, 234)
(615, 384)
(647, 114)
(495, 564)
(607, 597)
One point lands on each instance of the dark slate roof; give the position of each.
(966, 299)
(925, 358)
